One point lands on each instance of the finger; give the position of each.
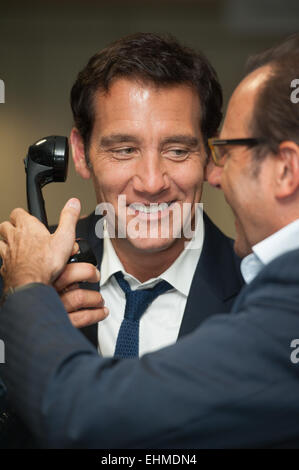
(75, 249)
(68, 218)
(64, 237)
(77, 299)
(74, 286)
(77, 272)
(3, 249)
(88, 317)
(17, 215)
(6, 229)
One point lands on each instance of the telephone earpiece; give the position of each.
(47, 162)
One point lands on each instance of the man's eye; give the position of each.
(177, 153)
(125, 151)
(223, 152)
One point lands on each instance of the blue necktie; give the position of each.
(137, 301)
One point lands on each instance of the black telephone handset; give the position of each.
(47, 162)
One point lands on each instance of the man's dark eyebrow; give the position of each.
(112, 139)
(189, 140)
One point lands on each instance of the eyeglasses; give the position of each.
(219, 153)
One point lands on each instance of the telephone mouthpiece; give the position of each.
(52, 152)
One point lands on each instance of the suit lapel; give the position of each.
(90, 228)
(217, 280)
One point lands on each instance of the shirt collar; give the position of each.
(280, 242)
(179, 274)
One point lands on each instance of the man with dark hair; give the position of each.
(149, 59)
(231, 383)
(144, 109)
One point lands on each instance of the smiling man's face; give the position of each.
(146, 144)
(250, 193)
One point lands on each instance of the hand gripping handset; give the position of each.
(47, 162)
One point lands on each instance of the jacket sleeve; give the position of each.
(227, 384)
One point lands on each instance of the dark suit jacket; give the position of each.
(217, 281)
(230, 383)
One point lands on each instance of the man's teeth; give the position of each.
(151, 209)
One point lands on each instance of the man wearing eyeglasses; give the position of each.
(231, 383)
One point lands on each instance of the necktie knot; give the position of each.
(137, 302)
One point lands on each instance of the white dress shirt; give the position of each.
(280, 242)
(160, 324)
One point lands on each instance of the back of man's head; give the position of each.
(289, 46)
(150, 58)
(276, 113)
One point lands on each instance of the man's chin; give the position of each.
(241, 249)
(149, 245)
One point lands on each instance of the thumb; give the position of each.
(66, 230)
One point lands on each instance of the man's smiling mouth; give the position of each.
(152, 208)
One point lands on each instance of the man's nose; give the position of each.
(151, 175)
(213, 174)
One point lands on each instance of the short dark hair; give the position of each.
(290, 45)
(152, 58)
(275, 116)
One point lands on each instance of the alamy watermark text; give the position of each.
(137, 220)
(295, 353)
(295, 93)
(2, 91)
(2, 352)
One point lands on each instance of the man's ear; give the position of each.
(287, 169)
(78, 153)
